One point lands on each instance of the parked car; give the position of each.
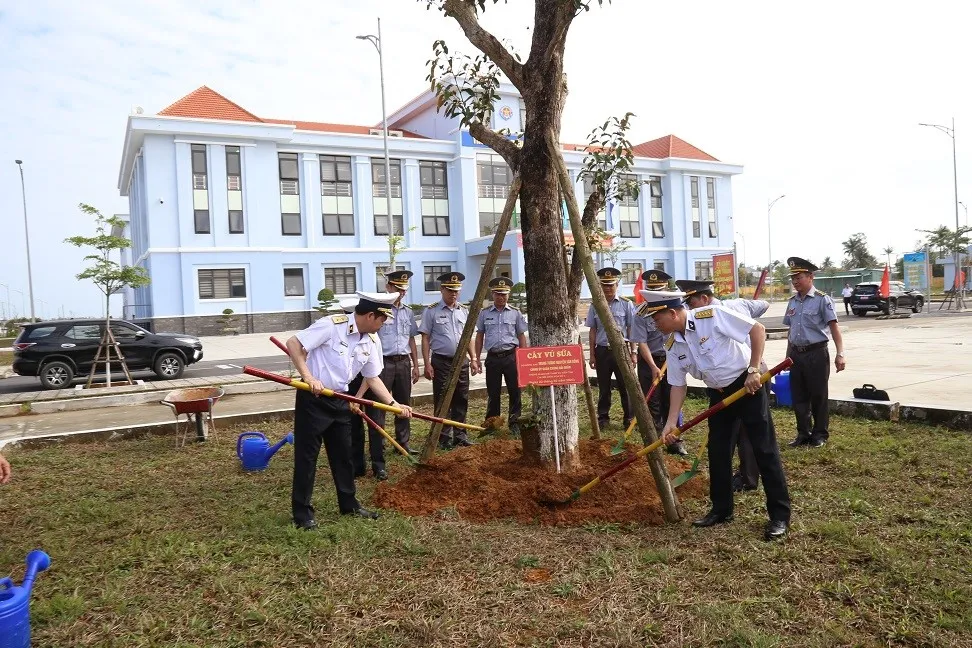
(867, 297)
(57, 351)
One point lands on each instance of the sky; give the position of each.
(818, 101)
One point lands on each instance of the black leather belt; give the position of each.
(397, 358)
(501, 354)
(809, 347)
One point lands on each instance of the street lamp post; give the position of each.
(30, 278)
(960, 287)
(376, 41)
(966, 213)
(769, 231)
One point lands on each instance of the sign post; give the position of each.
(551, 366)
(724, 274)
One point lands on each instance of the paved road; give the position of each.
(202, 369)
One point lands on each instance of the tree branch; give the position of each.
(595, 203)
(464, 13)
(508, 149)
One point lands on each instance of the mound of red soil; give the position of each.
(492, 481)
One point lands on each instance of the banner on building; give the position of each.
(916, 272)
(724, 274)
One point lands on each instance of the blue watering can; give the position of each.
(255, 451)
(15, 603)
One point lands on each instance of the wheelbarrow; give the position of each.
(194, 404)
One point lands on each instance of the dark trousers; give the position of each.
(847, 301)
(606, 367)
(500, 367)
(748, 470)
(809, 384)
(397, 377)
(753, 413)
(376, 442)
(659, 401)
(460, 398)
(318, 420)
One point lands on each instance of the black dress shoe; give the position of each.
(445, 445)
(775, 529)
(306, 525)
(362, 513)
(603, 424)
(677, 448)
(381, 475)
(465, 443)
(799, 441)
(818, 442)
(712, 519)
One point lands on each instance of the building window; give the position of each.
(378, 192)
(703, 270)
(627, 205)
(380, 271)
(234, 189)
(657, 221)
(696, 222)
(435, 198)
(341, 281)
(200, 189)
(293, 282)
(522, 116)
(199, 173)
(289, 194)
(432, 274)
(228, 283)
(630, 272)
(337, 204)
(659, 265)
(494, 179)
(710, 195)
(588, 190)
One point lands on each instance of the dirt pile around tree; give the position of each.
(492, 481)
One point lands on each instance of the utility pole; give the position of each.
(30, 277)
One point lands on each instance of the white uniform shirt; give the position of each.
(336, 352)
(754, 308)
(714, 347)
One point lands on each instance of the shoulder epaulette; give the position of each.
(626, 298)
(339, 319)
(433, 304)
(670, 341)
(703, 314)
(373, 336)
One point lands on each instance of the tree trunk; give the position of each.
(619, 348)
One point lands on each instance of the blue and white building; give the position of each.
(232, 210)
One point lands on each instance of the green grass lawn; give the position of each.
(157, 547)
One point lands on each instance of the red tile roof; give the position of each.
(670, 146)
(205, 103)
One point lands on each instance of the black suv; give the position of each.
(867, 297)
(57, 351)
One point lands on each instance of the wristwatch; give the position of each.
(752, 370)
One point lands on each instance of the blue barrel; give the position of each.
(781, 387)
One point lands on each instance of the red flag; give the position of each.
(759, 286)
(638, 287)
(886, 283)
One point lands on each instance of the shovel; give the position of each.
(619, 446)
(368, 419)
(721, 405)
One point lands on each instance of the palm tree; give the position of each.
(856, 254)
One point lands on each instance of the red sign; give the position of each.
(724, 273)
(550, 365)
